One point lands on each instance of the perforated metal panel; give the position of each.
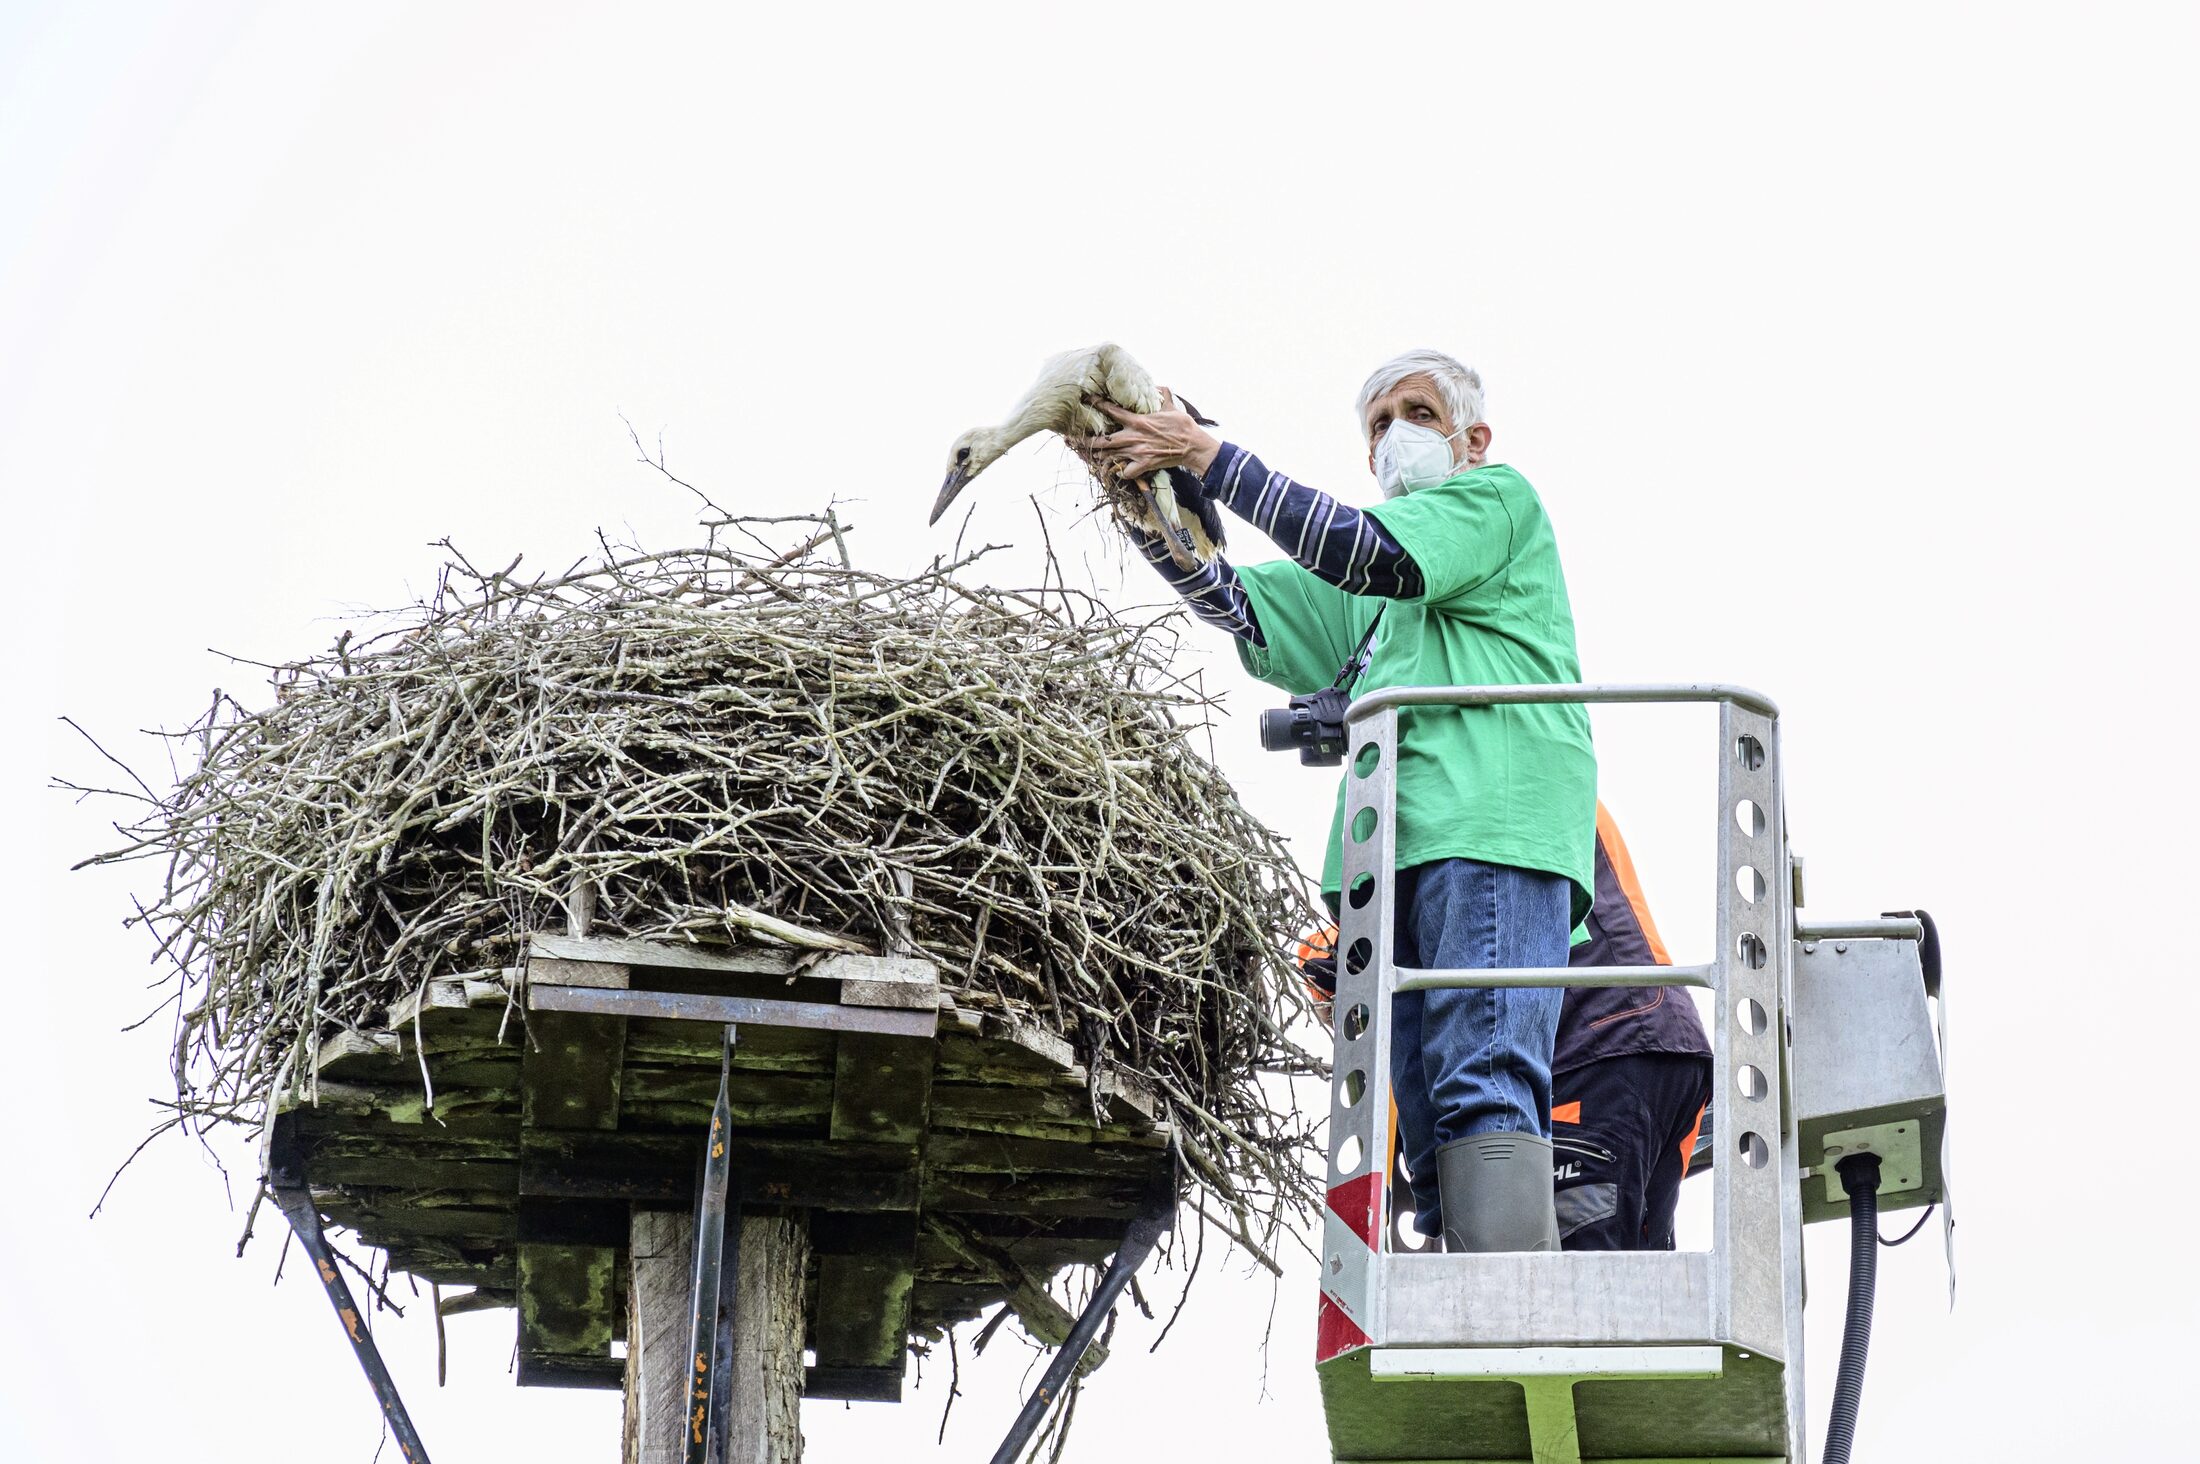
(1743, 1297)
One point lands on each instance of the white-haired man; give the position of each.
(1454, 579)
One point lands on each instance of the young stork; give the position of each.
(1061, 400)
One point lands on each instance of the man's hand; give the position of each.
(1145, 444)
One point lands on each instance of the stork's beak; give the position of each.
(956, 477)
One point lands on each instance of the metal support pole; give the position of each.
(721, 1362)
(710, 1319)
(1411, 979)
(288, 1185)
(1138, 1243)
(1886, 927)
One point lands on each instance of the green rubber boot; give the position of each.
(1496, 1192)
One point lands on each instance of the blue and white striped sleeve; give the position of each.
(1333, 540)
(1212, 590)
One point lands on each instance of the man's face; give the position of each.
(1417, 400)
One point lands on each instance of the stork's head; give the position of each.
(971, 455)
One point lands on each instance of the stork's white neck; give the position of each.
(988, 444)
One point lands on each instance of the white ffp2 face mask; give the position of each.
(1411, 456)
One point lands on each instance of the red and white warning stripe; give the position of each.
(1346, 1318)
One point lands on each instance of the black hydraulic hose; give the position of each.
(1928, 949)
(1860, 1177)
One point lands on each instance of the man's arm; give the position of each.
(1333, 540)
(1336, 543)
(1212, 590)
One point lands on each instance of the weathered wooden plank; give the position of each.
(950, 1192)
(724, 1007)
(377, 1222)
(862, 1309)
(466, 1218)
(758, 1098)
(437, 1001)
(952, 1101)
(421, 1016)
(957, 1063)
(469, 1077)
(452, 1059)
(1050, 1048)
(1130, 1099)
(401, 1170)
(856, 1384)
(901, 982)
(567, 1268)
(481, 1298)
(499, 1126)
(556, 1370)
(766, 1426)
(865, 1267)
(1041, 1256)
(569, 1077)
(660, 1169)
(882, 1088)
(687, 1118)
(661, 1259)
(476, 1077)
(761, 1048)
(351, 1047)
(1014, 1154)
(331, 1106)
(574, 1164)
(884, 981)
(1005, 1037)
(550, 971)
(668, 955)
(473, 1031)
(566, 1301)
(953, 1301)
(450, 1269)
(394, 1103)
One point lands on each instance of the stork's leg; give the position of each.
(1182, 553)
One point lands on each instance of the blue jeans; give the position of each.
(1467, 1062)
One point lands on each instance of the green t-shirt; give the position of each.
(1505, 785)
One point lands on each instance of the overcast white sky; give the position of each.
(1852, 352)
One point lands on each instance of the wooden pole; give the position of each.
(660, 1246)
(767, 1349)
(767, 1342)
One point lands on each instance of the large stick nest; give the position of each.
(738, 742)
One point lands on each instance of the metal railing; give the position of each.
(1739, 1293)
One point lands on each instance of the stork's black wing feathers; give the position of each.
(1192, 498)
(1189, 495)
(1194, 413)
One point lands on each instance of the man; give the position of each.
(1453, 579)
(1630, 1078)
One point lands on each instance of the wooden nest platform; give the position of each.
(511, 1131)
